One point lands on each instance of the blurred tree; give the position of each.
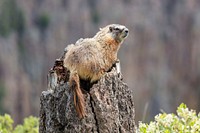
(95, 17)
(42, 21)
(2, 94)
(12, 18)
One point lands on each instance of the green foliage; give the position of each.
(186, 121)
(6, 124)
(12, 18)
(30, 125)
(42, 21)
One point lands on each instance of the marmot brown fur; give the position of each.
(90, 58)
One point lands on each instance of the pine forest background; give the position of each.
(160, 59)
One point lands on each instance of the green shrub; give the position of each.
(30, 125)
(6, 124)
(186, 121)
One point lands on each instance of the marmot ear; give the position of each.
(111, 29)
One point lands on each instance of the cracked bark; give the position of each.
(109, 105)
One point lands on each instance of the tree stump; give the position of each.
(109, 105)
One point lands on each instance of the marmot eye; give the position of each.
(111, 29)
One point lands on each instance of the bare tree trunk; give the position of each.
(109, 105)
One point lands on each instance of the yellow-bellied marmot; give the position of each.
(90, 58)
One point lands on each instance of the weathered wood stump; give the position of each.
(109, 105)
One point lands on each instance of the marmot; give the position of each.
(90, 58)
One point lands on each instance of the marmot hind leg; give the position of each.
(79, 101)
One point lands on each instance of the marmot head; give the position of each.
(119, 32)
(115, 31)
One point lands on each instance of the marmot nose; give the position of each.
(126, 31)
